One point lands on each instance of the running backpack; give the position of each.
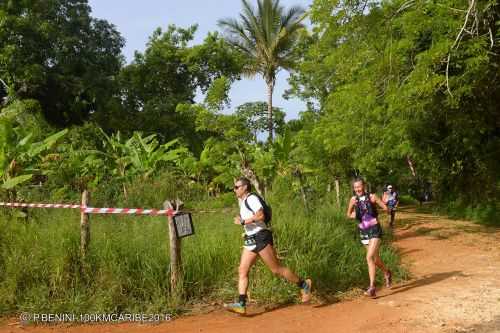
(268, 212)
(365, 207)
(395, 198)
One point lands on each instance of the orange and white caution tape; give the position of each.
(91, 210)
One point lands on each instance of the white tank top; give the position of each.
(245, 213)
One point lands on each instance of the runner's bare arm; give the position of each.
(375, 199)
(350, 210)
(258, 216)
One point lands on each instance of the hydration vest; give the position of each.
(392, 198)
(365, 206)
(268, 213)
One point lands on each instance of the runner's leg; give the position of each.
(270, 259)
(268, 256)
(379, 263)
(371, 250)
(247, 260)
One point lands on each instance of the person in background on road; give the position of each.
(362, 206)
(258, 243)
(391, 199)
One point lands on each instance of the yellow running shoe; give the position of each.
(236, 308)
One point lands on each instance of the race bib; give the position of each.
(249, 242)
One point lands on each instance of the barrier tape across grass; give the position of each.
(91, 210)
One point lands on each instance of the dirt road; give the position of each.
(455, 287)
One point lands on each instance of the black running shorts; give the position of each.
(259, 241)
(375, 231)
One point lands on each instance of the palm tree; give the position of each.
(266, 35)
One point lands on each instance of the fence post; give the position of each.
(175, 249)
(84, 225)
(337, 190)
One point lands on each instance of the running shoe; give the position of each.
(306, 291)
(388, 279)
(370, 292)
(236, 307)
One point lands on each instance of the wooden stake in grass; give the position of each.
(337, 190)
(175, 249)
(84, 225)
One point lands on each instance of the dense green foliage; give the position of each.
(403, 82)
(402, 92)
(164, 76)
(55, 52)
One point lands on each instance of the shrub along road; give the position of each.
(455, 287)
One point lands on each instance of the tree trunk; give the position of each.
(418, 184)
(411, 166)
(270, 126)
(303, 195)
(125, 194)
(252, 177)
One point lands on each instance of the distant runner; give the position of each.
(255, 215)
(362, 207)
(391, 199)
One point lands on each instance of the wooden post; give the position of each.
(337, 190)
(84, 226)
(175, 249)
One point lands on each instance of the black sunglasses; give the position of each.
(237, 186)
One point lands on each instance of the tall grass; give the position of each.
(127, 268)
(483, 213)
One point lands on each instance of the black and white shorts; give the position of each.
(259, 241)
(375, 231)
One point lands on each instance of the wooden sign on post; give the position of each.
(183, 224)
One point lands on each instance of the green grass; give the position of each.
(127, 268)
(405, 199)
(483, 213)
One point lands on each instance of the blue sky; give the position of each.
(136, 20)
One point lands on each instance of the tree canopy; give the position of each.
(55, 52)
(397, 91)
(267, 35)
(403, 82)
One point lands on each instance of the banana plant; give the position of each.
(137, 156)
(20, 157)
(22, 149)
(289, 164)
(146, 154)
